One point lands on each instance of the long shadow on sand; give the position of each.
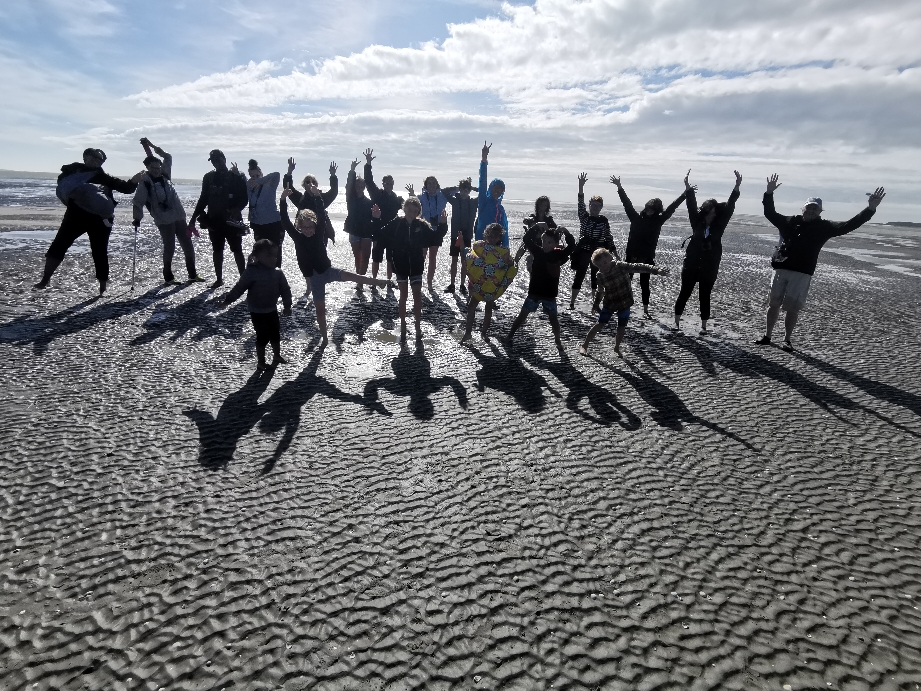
(512, 378)
(241, 411)
(413, 379)
(193, 318)
(42, 331)
(748, 364)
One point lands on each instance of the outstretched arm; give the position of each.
(861, 218)
(328, 197)
(625, 200)
(672, 208)
(779, 221)
(734, 195)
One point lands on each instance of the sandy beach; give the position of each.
(703, 514)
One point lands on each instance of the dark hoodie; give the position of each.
(224, 194)
(106, 184)
(645, 230)
(705, 247)
(317, 204)
(802, 241)
(408, 244)
(389, 202)
(359, 220)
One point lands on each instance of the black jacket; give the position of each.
(311, 251)
(77, 216)
(317, 204)
(463, 213)
(645, 230)
(544, 283)
(224, 194)
(389, 202)
(409, 243)
(705, 246)
(803, 241)
(359, 221)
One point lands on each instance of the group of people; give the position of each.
(402, 243)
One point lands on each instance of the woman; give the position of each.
(358, 223)
(705, 249)
(315, 200)
(264, 217)
(645, 228)
(433, 205)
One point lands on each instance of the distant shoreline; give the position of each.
(33, 175)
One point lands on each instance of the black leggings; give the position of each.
(268, 330)
(72, 227)
(270, 231)
(644, 288)
(219, 234)
(705, 288)
(581, 261)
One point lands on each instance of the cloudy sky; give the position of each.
(825, 92)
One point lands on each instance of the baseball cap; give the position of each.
(216, 153)
(96, 153)
(813, 201)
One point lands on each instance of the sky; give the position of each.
(826, 93)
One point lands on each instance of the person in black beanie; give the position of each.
(223, 197)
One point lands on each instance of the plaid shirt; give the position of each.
(615, 291)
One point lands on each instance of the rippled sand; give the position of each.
(703, 514)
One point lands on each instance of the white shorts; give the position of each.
(790, 289)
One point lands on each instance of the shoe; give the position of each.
(196, 279)
(170, 280)
(764, 340)
(41, 285)
(787, 347)
(217, 284)
(279, 360)
(463, 289)
(260, 365)
(449, 289)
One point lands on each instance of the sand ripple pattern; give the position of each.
(703, 515)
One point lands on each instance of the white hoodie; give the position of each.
(165, 206)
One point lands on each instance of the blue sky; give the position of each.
(824, 92)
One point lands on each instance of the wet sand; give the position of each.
(704, 514)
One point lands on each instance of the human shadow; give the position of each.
(358, 314)
(749, 364)
(219, 434)
(880, 390)
(413, 379)
(510, 376)
(42, 331)
(283, 409)
(604, 406)
(198, 318)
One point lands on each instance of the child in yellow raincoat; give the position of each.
(491, 270)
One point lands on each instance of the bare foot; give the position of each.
(677, 323)
(619, 354)
(583, 350)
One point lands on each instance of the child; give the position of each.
(594, 232)
(463, 221)
(541, 215)
(544, 284)
(313, 199)
(491, 270)
(310, 248)
(358, 224)
(489, 201)
(614, 284)
(408, 238)
(433, 203)
(263, 283)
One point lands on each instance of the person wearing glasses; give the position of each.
(86, 189)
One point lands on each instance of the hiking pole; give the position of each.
(134, 261)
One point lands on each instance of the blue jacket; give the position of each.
(263, 207)
(432, 206)
(490, 210)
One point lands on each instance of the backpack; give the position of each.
(90, 197)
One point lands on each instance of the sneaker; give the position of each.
(196, 279)
(449, 289)
(787, 347)
(217, 284)
(41, 285)
(764, 340)
(279, 360)
(169, 280)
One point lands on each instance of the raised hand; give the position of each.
(354, 164)
(290, 165)
(287, 192)
(486, 148)
(375, 210)
(615, 181)
(772, 183)
(333, 168)
(583, 178)
(369, 156)
(234, 169)
(738, 178)
(687, 185)
(876, 197)
(411, 190)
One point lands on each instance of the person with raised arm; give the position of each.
(463, 222)
(705, 249)
(594, 233)
(156, 193)
(795, 259)
(359, 223)
(433, 203)
(531, 236)
(86, 189)
(489, 201)
(219, 208)
(264, 217)
(645, 228)
(389, 204)
(312, 198)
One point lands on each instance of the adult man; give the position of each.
(157, 193)
(223, 194)
(795, 260)
(78, 219)
(390, 205)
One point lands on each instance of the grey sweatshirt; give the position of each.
(165, 206)
(265, 286)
